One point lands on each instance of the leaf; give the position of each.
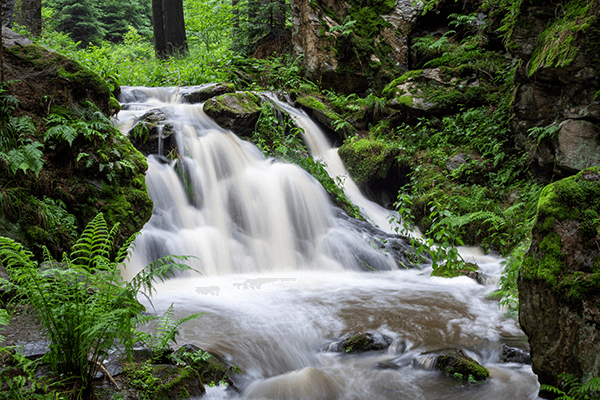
(61, 132)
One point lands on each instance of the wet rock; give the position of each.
(461, 366)
(355, 342)
(210, 366)
(307, 384)
(201, 94)
(470, 270)
(151, 134)
(514, 355)
(398, 346)
(237, 112)
(559, 280)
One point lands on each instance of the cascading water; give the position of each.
(282, 272)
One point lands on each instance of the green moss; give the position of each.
(316, 104)
(366, 159)
(460, 366)
(447, 270)
(391, 88)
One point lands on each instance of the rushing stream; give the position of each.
(283, 272)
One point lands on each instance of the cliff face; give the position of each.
(61, 160)
(557, 110)
(559, 282)
(352, 46)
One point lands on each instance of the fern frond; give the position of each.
(23, 125)
(159, 270)
(93, 245)
(61, 132)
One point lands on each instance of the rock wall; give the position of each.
(559, 282)
(352, 46)
(557, 112)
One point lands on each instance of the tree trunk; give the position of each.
(31, 16)
(236, 17)
(8, 13)
(169, 28)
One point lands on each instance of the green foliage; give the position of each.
(560, 43)
(573, 389)
(209, 23)
(85, 123)
(345, 28)
(260, 22)
(17, 148)
(166, 330)
(84, 305)
(543, 133)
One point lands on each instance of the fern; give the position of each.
(575, 390)
(25, 158)
(84, 305)
(62, 132)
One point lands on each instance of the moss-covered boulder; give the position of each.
(237, 112)
(357, 342)
(374, 167)
(194, 94)
(450, 270)
(461, 366)
(325, 115)
(64, 161)
(435, 91)
(559, 282)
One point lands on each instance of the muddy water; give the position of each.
(279, 279)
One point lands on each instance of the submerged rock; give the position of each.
(151, 134)
(307, 384)
(469, 270)
(461, 366)
(193, 94)
(559, 281)
(355, 342)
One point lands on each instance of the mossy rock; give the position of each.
(200, 94)
(210, 367)
(564, 251)
(367, 159)
(449, 270)
(322, 112)
(460, 366)
(237, 112)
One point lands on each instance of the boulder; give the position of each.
(355, 342)
(461, 366)
(237, 112)
(578, 145)
(469, 270)
(199, 94)
(151, 134)
(374, 167)
(559, 281)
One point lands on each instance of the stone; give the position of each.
(306, 384)
(461, 366)
(151, 134)
(195, 94)
(514, 355)
(578, 145)
(355, 342)
(237, 112)
(559, 281)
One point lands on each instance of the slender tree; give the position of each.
(169, 28)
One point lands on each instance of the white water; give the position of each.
(281, 275)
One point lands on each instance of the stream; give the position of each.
(282, 272)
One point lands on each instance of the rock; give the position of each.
(374, 167)
(514, 355)
(34, 350)
(151, 134)
(469, 270)
(210, 367)
(461, 366)
(550, 93)
(349, 56)
(428, 91)
(237, 112)
(194, 94)
(306, 384)
(355, 342)
(11, 39)
(578, 145)
(456, 161)
(559, 280)
(325, 115)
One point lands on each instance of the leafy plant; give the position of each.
(166, 331)
(345, 28)
(84, 306)
(573, 389)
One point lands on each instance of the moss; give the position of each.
(460, 366)
(448, 271)
(366, 159)
(391, 88)
(572, 201)
(316, 104)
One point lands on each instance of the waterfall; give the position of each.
(283, 274)
(221, 201)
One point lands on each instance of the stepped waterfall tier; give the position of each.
(283, 273)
